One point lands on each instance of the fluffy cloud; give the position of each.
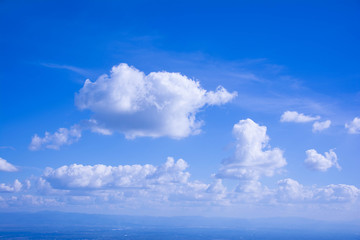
(320, 126)
(16, 187)
(316, 161)
(62, 136)
(290, 190)
(7, 167)
(155, 105)
(337, 193)
(102, 176)
(293, 116)
(354, 126)
(253, 156)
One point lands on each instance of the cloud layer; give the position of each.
(155, 105)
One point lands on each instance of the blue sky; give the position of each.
(280, 138)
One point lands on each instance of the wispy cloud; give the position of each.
(7, 147)
(78, 70)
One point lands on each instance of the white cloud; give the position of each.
(354, 126)
(102, 176)
(318, 162)
(337, 193)
(16, 187)
(62, 136)
(320, 126)
(293, 116)
(291, 190)
(253, 156)
(155, 105)
(7, 167)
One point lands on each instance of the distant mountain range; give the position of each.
(64, 220)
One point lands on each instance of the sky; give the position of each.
(165, 108)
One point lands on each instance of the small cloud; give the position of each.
(316, 161)
(253, 156)
(354, 126)
(16, 187)
(291, 190)
(62, 136)
(293, 116)
(320, 126)
(7, 167)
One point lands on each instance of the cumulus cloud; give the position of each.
(16, 187)
(103, 176)
(62, 136)
(7, 167)
(320, 126)
(155, 105)
(354, 126)
(293, 116)
(253, 156)
(290, 190)
(337, 193)
(318, 162)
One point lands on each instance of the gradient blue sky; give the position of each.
(279, 56)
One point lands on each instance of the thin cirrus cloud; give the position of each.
(293, 116)
(318, 162)
(354, 126)
(128, 101)
(6, 166)
(253, 156)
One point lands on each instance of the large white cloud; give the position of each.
(318, 162)
(155, 105)
(6, 166)
(253, 156)
(293, 116)
(320, 126)
(62, 136)
(354, 126)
